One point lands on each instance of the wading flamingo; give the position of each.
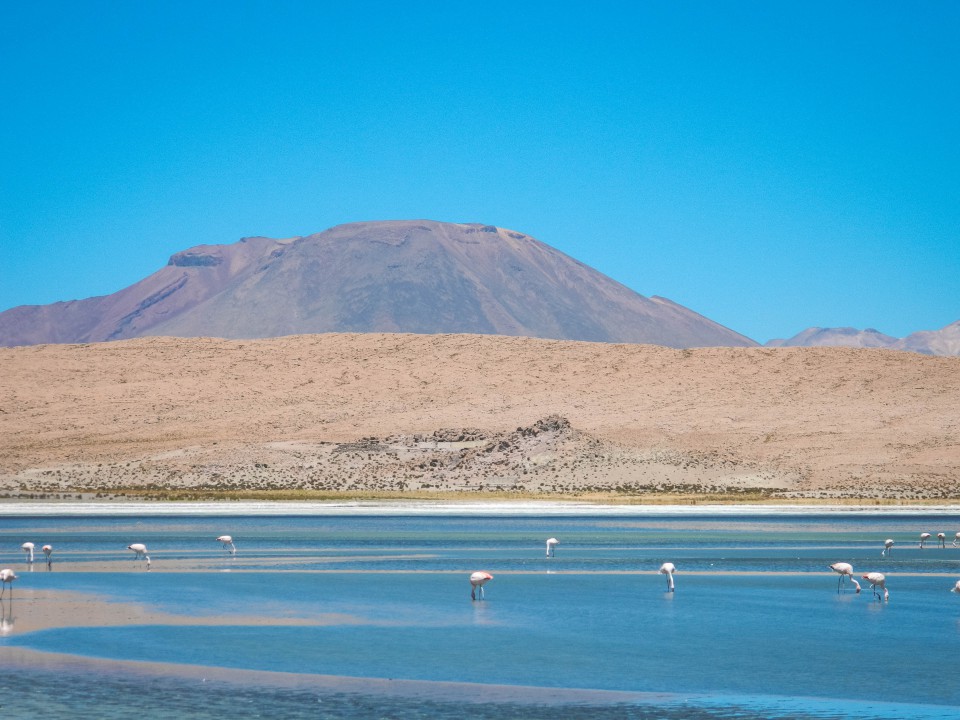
(956, 539)
(227, 542)
(668, 569)
(6, 578)
(477, 581)
(28, 549)
(845, 570)
(942, 539)
(877, 580)
(887, 546)
(923, 538)
(551, 544)
(47, 549)
(140, 551)
(956, 588)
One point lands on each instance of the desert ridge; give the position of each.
(476, 413)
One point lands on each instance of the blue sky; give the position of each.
(772, 166)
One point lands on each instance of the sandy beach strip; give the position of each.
(530, 508)
(35, 609)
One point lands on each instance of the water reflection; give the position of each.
(6, 615)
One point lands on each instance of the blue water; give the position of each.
(777, 641)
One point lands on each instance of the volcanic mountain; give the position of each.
(402, 276)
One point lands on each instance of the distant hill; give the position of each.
(836, 337)
(402, 276)
(945, 341)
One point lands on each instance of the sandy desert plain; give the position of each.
(395, 415)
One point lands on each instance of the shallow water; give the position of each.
(756, 627)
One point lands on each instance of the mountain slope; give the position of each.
(945, 341)
(401, 276)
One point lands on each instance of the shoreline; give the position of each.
(417, 507)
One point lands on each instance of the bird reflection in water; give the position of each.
(6, 615)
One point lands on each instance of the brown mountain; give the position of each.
(402, 276)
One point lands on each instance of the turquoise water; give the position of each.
(756, 627)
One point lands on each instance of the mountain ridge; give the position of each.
(945, 341)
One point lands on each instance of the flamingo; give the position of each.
(956, 539)
(140, 551)
(956, 588)
(227, 542)
(877, 580)
(477, 581)
(923, 538)
(887, 546)
(28, 549)
(6, 578)
(551, 545)
(845, 570)
(942, 539)
(668, 569)
(47, 549)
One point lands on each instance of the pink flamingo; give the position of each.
(956, 588)
(877, 580)
(551, 544)
(923, 538)
(47, 550)
(942, 539)
(6, 578)
(477, 581)
(227, 542)
(27, 547)
(887, 546)
(845, 570)
(668, 569)
(140, 551)
(956, 539)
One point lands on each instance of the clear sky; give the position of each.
(770, 165)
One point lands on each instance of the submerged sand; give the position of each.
(477, 414)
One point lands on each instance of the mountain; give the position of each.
(400, 276)
(836, 337)
(945, 341)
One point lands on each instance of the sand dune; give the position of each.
(395, 412)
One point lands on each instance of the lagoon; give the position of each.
(362, 614)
